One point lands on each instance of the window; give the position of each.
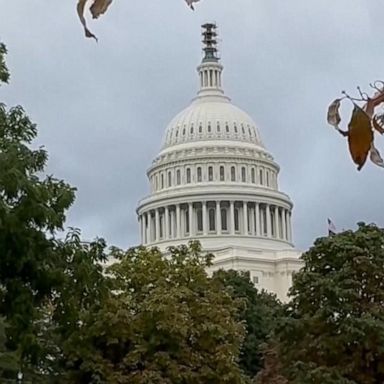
(243, 176)
(169, 179)
(191, 128)
(188, 175)
(267, 179)
(273, 229)
(162, 181)
(253, 175)
(261, 177)
(156, 183)
(209, 127)
(218, 127)
(233, 174)
(264, 218)
(210, 173)
(200, 128)
(237, 226)
(199, 175)
(235, 127)
(242, 129)
(255, 280)
(187, 221)
(161, 226)
(211, 214)
(178, 177)
(227, 127)
(199, 214)
(224, 221)
(222, 175)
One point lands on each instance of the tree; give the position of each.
(260, 314)
(334, 330)
(4, 74)
(32, 210)
(165, 321)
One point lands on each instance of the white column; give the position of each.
(142, 226)
(232, 217)
(277, 230)
(218, 218)
(205, 227)
(268, 213)
(178, 223)
(157, 225)
(166, 223)
(283, 219)
(289, 226)
(251, 217)
(257, 218)
(190, 218)
(150, 228)
(245, 218)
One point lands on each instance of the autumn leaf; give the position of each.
(80, 11)
(190, 3)
(360, 136)
(99, 7)
(376, 157)
(373, 102)
(377, 124)
(333, 116)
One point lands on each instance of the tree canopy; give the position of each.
(334, 329)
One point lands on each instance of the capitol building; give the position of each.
(214, 181)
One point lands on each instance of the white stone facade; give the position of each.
(215, 182)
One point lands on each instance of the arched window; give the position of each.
(169, 179)
(156, 183)
(162, 181)
(210, 173)
(200, 128)
(199, 214)
(222, 174)
(211, 214)
(188, 175)
(243, 175)
(233, 174)
(235, 128)
(178, 177)
(199, 175)
(209, 127)
(227, 127)
(267, 178)
(191, 128)
(253, 175)
(261, 177)
(218, 127)
(237, 226)
(224, 220)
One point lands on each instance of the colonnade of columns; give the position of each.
(205, 218)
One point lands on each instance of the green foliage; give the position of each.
(4, 74)
(9, 361)
(165, 321)
(32, 208)
(260, 314)
(334, 330)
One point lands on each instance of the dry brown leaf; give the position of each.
(360, 136)
(373, 102)
(190, 3)
(80, 11)
(99, 7)
(376, 157)
(333, 116)
(377, 125)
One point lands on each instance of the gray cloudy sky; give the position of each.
(102, 108)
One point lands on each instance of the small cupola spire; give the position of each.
(210, 42)
(210, 69)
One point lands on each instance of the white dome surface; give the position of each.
(211, 118)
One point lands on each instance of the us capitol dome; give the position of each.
(214, 181)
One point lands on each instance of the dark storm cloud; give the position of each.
(102, 108)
